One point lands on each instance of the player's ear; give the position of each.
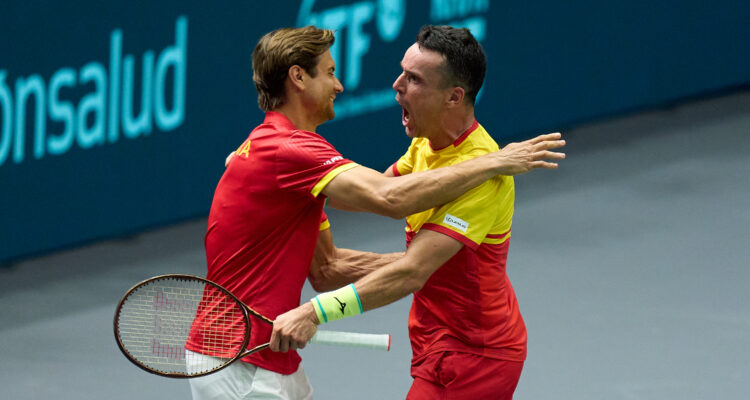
(296, 76)
(456, 97)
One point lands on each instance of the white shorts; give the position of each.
(245, 381)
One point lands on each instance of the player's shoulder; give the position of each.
(418, 146)
(270, 134)
(285, 135)
(419, 142)
(306, 135)
(301, 145)
(479, 142)
(308, 139)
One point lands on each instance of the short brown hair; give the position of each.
(278, 51)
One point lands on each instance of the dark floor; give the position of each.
(630, 263)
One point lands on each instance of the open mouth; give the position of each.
(404, 116)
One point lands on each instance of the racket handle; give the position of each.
(366, 340)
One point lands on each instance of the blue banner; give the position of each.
(116, 117)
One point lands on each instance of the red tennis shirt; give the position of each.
(264, 223)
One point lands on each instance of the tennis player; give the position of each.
(266, 214)
(467, 334)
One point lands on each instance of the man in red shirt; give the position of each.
(468, 337)
(268, 206)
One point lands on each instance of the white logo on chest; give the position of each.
(333, 160)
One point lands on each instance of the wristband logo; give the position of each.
(342, 305)
(100, 116)
(325, 306)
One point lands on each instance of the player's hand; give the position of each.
(293, 329)
(522, 157)
(229, 158)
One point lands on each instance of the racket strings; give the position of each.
(181, 326)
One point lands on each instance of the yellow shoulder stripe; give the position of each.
(330, 175)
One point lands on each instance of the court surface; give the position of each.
(631, 265)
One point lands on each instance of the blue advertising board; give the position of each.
(117, 116)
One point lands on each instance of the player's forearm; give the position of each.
(389, 284)
(428, 189)
(428, 251)
(367, 190)
(364, 189)
(420, 191)
(347, 266)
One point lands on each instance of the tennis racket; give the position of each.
(183, 326)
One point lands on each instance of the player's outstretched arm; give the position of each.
(333, 267)
(427, 252)
(364, 189)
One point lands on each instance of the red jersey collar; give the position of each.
(461, 138)
(277, 118)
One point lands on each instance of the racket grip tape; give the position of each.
(364, 340)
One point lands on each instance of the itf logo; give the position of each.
(102, 115)
(356, 25)
(362, 24)
(349, 20)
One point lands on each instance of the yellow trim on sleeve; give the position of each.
(499, 240)
(329, 176)
(325, 225)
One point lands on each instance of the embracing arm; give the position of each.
(427, 252)
(333, 267)
(364, 189)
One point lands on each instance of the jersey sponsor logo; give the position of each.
(333, 160)
(456, 222)
(342, 305)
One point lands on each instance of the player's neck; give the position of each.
(454, 124)
(298, 115)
